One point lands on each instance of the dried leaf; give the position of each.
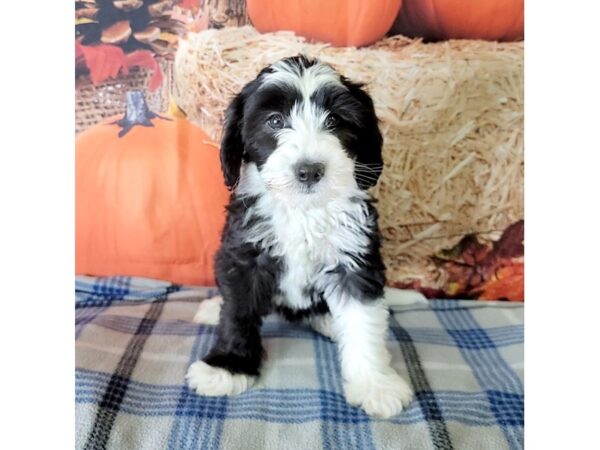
(78, 50)
(507, 283)
(107, 61)
(510, 244)
(472, 267)
(103, 61)
(469, 251)
(145, 58)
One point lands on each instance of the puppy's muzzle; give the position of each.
(309, 173)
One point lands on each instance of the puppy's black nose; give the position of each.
(309, 173)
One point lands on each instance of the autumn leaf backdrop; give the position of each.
(451, 114)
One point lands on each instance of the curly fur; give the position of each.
(302, 250)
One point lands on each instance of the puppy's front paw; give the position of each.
(215, 381)
(381, 395)
(323, 324)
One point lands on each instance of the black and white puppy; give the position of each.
(301, 146)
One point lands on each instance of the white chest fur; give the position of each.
(309, 241)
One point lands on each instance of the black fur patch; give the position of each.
(357, 126)
(294, 315)
(368, 281)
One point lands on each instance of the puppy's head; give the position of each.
(303, 131)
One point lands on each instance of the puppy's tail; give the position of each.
(402, 297)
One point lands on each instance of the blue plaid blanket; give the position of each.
(135, 340)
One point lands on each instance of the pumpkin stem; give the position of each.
(136, 113)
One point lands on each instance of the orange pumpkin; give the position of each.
(434, 20)
(150, 198)
(339, 22)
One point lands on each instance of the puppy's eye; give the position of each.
(331, 121)
(275, 121)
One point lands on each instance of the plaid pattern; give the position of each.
(135, 340)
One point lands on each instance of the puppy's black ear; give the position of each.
(368, 149)
(232, 145)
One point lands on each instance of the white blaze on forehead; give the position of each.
(307, 137)
(307, 118)
(305, 80)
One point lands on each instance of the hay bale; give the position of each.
(451, 114)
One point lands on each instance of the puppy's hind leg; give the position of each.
(209, 311)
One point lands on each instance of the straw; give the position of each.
(451, 114)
